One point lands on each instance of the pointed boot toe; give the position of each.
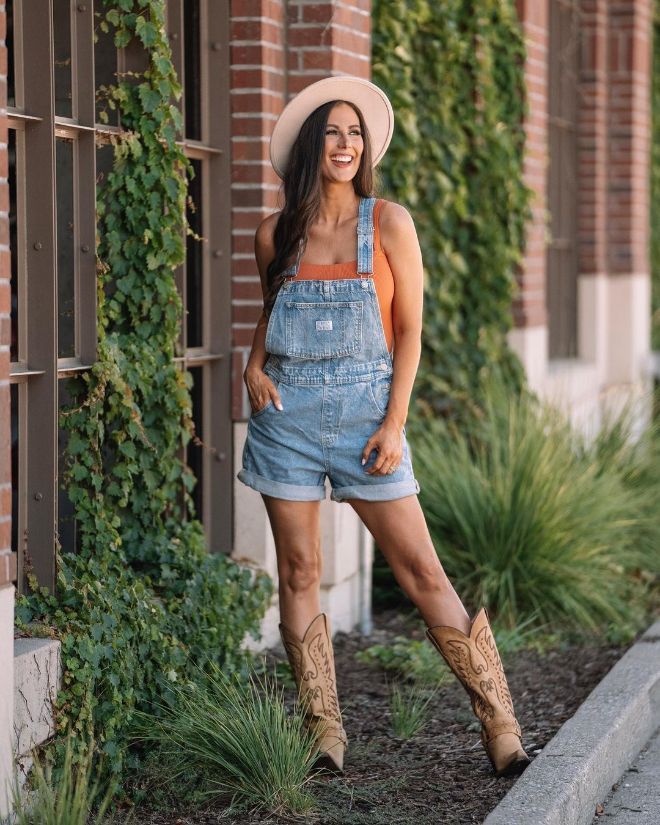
(331, 754)
(506, 754)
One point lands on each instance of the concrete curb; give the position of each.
(577, 768)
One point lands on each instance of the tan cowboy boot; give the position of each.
(312, 663)
(476, 662)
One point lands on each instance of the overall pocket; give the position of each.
(323, 330)
(269, 405)
(379, 392)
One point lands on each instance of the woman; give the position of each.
(329, 379)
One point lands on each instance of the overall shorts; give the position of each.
(329, 360)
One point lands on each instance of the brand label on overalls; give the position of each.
(323, 325)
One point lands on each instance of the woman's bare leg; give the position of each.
(401, 533)
(297, 533)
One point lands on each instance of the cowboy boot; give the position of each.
(474, 659)
(313, 667)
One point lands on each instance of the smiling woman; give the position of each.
(329, 378)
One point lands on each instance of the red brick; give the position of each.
(256, 102)
(243, 78)
(247, 290)
(317, 12)
(267, 30)
(255, 149)
(246, 314)
(243, 336)
(257, 8)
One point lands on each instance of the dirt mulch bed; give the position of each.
(442, 775)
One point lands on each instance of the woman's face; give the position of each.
(343, 144)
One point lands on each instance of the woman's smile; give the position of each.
(341, 160)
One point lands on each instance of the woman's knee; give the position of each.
(300, 570)
(425, 574)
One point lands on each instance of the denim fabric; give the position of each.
(329, 360)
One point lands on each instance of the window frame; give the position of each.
(37, 369)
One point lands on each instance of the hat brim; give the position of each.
(370, 100)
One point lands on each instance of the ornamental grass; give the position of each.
(236, 736)
(68, 796)
(532, 518)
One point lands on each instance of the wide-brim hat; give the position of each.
(370, 100)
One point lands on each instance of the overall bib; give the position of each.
(329, 360)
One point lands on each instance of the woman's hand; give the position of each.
(260, 389)
(388, 441)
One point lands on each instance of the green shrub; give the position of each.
(239, 739)
(529, 519)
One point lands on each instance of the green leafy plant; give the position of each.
(68, 797)
(140, 600)
(413, 659)
(531, 519)
(238, 736)
(455, 74)
(409, 707)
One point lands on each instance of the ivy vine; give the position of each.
(141, 604)
(455, 74)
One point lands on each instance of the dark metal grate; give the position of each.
(562, 178)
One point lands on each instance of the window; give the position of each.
(58, 151)
(562, 250)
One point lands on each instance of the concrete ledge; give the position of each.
(577, 768)
(37, 676)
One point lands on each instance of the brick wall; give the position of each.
(629, 124)
(277, 48)
(7, 558)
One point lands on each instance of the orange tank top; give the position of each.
(382, 275)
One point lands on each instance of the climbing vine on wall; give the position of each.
(141, 604)
(454, 72)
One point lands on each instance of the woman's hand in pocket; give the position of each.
(261, 389)
(388, 443)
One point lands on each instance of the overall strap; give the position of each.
(365, 236)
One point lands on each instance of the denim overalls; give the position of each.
(330, 363)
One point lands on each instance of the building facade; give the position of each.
(581, 318)
(582, 321)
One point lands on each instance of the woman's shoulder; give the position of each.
(266, 230)
(393, 212)
(394, 221)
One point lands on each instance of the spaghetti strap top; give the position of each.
(382, 275)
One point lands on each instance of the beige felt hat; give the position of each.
(372, 102)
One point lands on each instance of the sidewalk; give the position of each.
(636, 798)
(570, 780)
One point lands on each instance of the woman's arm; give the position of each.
(400, 244)
(259, 386)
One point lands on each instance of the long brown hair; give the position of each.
(302, 191)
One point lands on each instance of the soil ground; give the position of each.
(442, 775)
